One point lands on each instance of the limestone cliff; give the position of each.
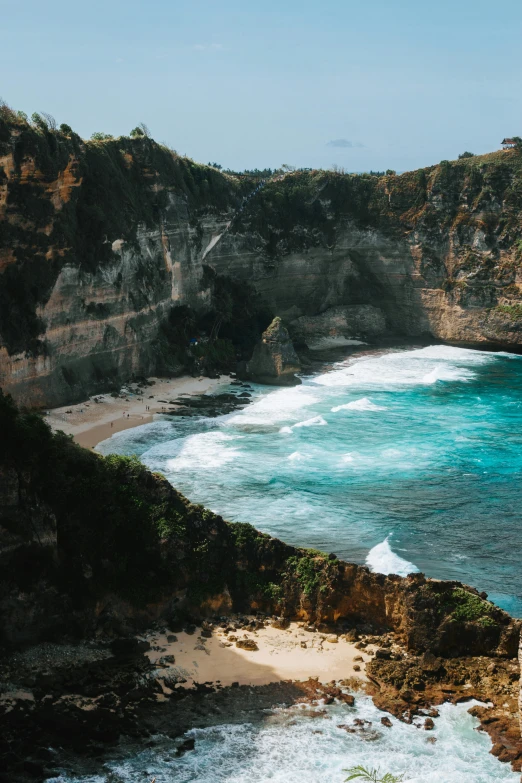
(101, 241)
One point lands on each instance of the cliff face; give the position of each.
(100, 240)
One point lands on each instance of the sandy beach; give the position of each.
(91, 422)
(291, 654)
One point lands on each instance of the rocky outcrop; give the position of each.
(408, 687)
(274, 360)
(101, 241)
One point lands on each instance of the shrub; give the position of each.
(514, 311)
(98, 136)
(39, 121)
(466, 155)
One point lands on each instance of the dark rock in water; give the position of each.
(129, 648)
(209, 405)
(187, 744)
(428, 724)
(274, 360)
(386, 722)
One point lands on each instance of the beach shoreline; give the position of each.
(103, 415)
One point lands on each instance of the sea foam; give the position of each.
(203, 450)
(408, 368)
(364, 404)
(316, 421)
(383, 560)
(287, 747)
(277, 406)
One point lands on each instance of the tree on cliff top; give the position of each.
(140, 131)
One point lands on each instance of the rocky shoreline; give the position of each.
(71, 708)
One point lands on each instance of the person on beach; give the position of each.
(112, 424)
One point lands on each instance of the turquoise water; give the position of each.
(291, 748)
(405, 460)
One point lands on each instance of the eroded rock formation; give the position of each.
(274, 360)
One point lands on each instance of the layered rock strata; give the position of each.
(99, 241)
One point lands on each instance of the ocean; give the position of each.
(406, 460)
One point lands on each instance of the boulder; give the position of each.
(281, 623)
(274, 360)
(247, 644)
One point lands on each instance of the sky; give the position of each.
(366, 85)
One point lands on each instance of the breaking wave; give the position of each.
(383, 560)
(364, 404)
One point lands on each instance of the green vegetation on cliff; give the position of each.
(77, 529)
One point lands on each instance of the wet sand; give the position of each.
(91, 422)
(280, 656)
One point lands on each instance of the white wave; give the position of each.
(201, 451)
(383, 560)
(274, 407)
(364, 404)
(445, 373)
(288, 748)
(296, 456)
(316, 421)
(402, 368)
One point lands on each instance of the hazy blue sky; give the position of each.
(392, 83)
